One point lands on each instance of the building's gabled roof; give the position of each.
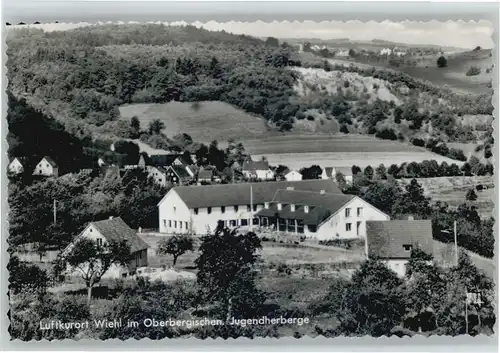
(321, 206)
(346, 171)
(329, 171)
(252, 166)
(162, 160)
(116, 230)
(21, 160)
(239, 194)
(50, 161)
(181, 171)
(386, 238)
(205, 174)
(291, 171)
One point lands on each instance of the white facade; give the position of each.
(349, 222)
(176, 217)
(140, 258)
(15, 167)
(347, 176)
(293, 176)
(261, 174)
(158, 175)
(397, 265)
(45, 168)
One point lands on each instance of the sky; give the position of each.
(463, 34)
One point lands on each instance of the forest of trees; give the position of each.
(82, 76)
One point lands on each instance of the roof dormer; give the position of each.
(292, 207)
(306, 209)
(280, 206)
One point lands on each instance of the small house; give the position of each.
(116, 230)
(293, 175)
(46, 167)
(393, 241)
(327, 173)
(346, 172)
(257, 170)
(205, 175)
(16, 165)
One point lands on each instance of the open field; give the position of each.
(452, 190)
(271, 253)
(205, 121)
(297, 161)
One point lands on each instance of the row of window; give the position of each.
(359, 212)
(175, 224)
(223, 209)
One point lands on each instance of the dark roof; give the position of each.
(260, 165)
(386, 238)
(329, 171)
(51, 161)
(162, 160)
(321, 206)
(181, 171)
(344, 170)
(116, 229)
(21, 160)
(205, 174)
(239, 194)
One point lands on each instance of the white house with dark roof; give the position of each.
(319, 215)
(293, 175)
(46, 167)
(257, 170)
(194, 209)
(116, 230)
(392, 241)
(16, 165)
(331, 173)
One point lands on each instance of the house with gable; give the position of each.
(17, 165)
(46, 167)
(257, 170)
(331, 173)
(293, 175)
(392, 241)
(318, 215)
(116, 230)
(167, 168)
(196, 209)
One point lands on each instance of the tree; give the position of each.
(135, 126)
(355, 169)
(175, 246)
(442, 62)
(273, 42)
(413, 201)
(226, 269)
(373, 302)
(156, 126)
(129, 150)
(471, 195)
(368, 172)
(92, 260)
(25, 277)
(381, 172)
(382, 196)
(313, 172)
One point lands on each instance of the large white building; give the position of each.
(314, 208)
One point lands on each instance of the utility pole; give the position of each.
(251, 208)
(55, 212)
(456, 243)
(466, 315)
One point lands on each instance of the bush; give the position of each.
(344, 129)
(473, 71)
(479, 187)
(386, 134)
(418, 142)
(442, 62)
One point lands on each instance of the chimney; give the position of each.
(306, 209)
(411, 218)
(292, 207)
(322, 192)
(290, 188)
